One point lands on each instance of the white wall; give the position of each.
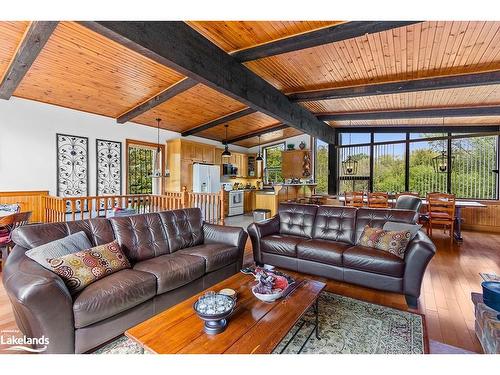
(28, 142)
(295, 140)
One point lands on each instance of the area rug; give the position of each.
(347, 326)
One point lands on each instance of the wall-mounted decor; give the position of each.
(108, 167)
(72, 166)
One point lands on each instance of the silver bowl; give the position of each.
(215, 322)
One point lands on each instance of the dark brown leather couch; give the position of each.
(174, 255)
(322, 240)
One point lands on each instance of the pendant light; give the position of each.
(440, 162)
(226, 154)
(157, 172)
(259, 155)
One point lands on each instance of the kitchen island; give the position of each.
(270, 198)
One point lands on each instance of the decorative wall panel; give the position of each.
(108, 167)
(72, 166)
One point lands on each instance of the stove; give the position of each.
(236, 202)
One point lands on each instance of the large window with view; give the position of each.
(461, 164)
(321, 166)
(272, 160)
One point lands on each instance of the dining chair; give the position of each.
(408, 202)
(441, 211)
(14, 221)
(378, 200)
(354, 198)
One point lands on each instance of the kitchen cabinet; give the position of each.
(181, 155)
(296, 164)
(226, 204)
(249, 201)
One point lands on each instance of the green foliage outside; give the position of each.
(140, 166)
(273, 163)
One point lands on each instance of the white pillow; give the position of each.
(398, 227)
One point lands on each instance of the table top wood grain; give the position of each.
(254, 327)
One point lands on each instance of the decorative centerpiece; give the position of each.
(271, 284)
(214, 309)
(290, 146)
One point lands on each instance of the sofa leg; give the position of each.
(411, 301)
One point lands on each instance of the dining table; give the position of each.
(459, 206)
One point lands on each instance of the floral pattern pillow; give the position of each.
(394, 242)
(79, 270)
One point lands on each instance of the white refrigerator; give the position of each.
(206, 178)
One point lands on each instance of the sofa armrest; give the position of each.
(41, 302)
(418, 255)
(260, 230)
(233, 236)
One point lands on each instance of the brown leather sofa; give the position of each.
(321, 240)
(174, 255)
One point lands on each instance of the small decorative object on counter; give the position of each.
(302, 145)
(214, 309)
(228, 292)
(290, 146)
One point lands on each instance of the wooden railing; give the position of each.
(80, 208)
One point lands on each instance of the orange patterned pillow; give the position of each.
(79, 270)
(394, 242)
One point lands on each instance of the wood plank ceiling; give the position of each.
(83, 70)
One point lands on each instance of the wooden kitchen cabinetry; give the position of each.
(181, 155)
(294, 164)
(249, 201)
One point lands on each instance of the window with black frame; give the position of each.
(462, 164)
(272, 163)
(321, 166)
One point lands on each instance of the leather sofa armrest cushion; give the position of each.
(418, 254)
(234, 236)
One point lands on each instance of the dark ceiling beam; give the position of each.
(31, 45)
(158, 99)
(335, 33)
(219, 121)
(415, 85)
(177, 46)
(434, 128)
(412, 113)
(257, 133)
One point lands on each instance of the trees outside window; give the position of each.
(272, 160)
(321, 167)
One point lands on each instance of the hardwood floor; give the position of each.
(445, 301)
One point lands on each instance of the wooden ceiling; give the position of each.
(83, 70)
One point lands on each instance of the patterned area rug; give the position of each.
(347, 326)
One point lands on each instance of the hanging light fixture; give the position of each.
(350, 165)
(157, 172)
(226, 154)
(440, 162)
(259, 155)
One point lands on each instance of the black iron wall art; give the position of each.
(72, 166)
(108, 167)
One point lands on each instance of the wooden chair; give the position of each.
(407, 193)
(378, 200)
(441, 211)
(14, 221)
(354, 198)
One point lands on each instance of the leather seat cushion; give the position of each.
(112, 295)
(373, 260)
(280, 244)
(215, 255)
(173, 270)
(322, 251)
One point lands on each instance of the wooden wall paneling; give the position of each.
(236, 35)
(483, 219)
(28, 200)
(420, 50)
(191, 108)
(11, 34)
(105, 77)
(202, 60)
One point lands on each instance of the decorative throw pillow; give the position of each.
(58, 248)
(395, 226)
(80, 269)
(394, 242)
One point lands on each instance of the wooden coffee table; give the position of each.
(254, 326)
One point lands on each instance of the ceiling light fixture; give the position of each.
(226, 154)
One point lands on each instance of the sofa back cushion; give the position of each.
(184, 228)
(297, 219)
(335, 223)
(140, 237)
(30, 236)
(377, 217)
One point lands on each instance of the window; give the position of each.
(272, 160)
(408, 165)
(321, 166)
(389, 163)
(140, 164)
(423, 177)
(358, 179)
